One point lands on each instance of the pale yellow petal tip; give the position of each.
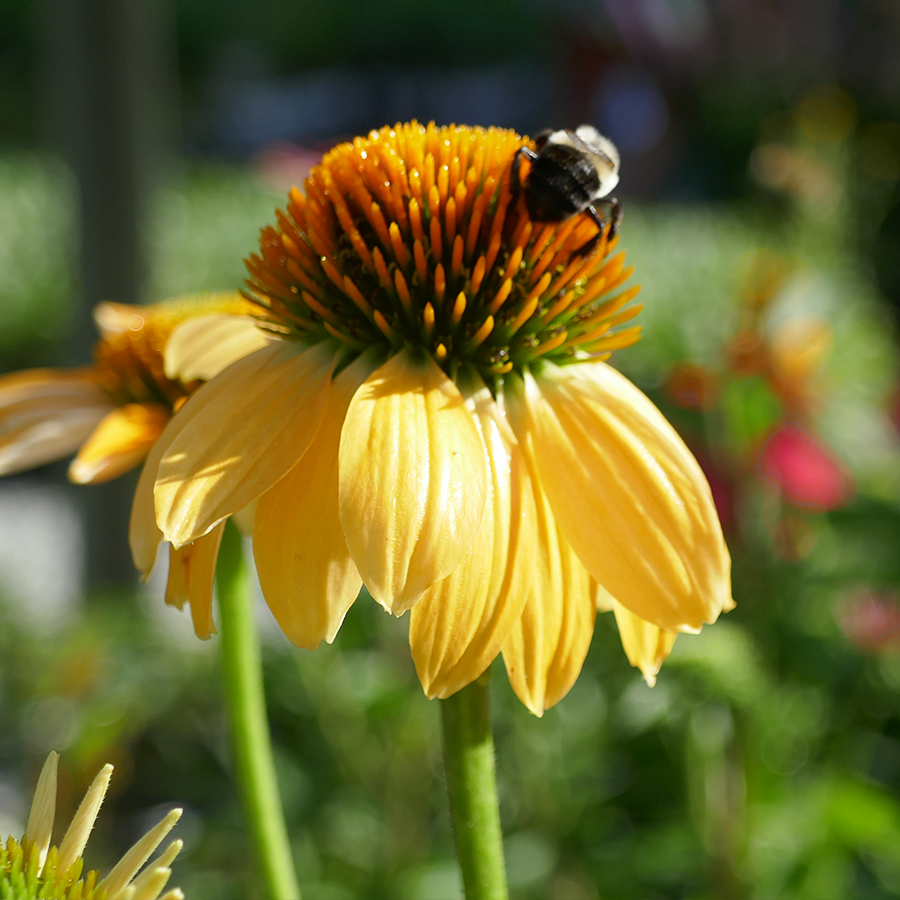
(650, 676)
(79, 473)
(39, 829)
(125, 870)
(76, 837)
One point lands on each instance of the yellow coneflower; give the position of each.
(33, 868)
(113, 411)
(434, 418)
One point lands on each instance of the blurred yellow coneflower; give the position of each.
(113, 411)
(434, 418)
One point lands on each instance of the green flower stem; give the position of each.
(250, 739)
(472, 789)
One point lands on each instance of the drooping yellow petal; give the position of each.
(413, 479)
(119, 443)
(192, 571)
(627, 493)
(460, 624)
(241, 433)
(202, 347)
(547, 647)
(144, 536)
(646, 645)
(46, 414)
(305, 570)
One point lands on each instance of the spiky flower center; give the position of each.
(412, 237)
(22, 877)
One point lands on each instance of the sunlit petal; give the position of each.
(546, 648)
(460, 624)
(628, 494)
(304, 566)
(413, 479)
(192, 571)
(202, 347)
(119, 443)
(46, 414)
(242, 432)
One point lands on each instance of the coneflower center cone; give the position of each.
(412, 237)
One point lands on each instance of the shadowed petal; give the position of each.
(144, 536)
(119, 443)
(206, 345)
(241, 433)
(46, 414)
(627, 493)
(548, 645)
(460, 624)
(412, 480)
(192, 571)
(647, 646)
(304, 566)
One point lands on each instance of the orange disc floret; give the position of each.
(411, 236)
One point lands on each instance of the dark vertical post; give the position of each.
(106, 88)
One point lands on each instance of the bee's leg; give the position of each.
(541, 138)
(615, 215)
(514, 184)
(588, 248)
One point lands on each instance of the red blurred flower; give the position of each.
(803, 468)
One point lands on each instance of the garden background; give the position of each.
(143, 145)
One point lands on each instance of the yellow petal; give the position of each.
(244, 519)
(192, 571)
(144, 536)
(46, 414)
(204, 346)
(645, 645)
(113, 319)
(305, 570)
(460, 624)
(627, 493)
(39, 829)
(119, 443)
(127, 867)
(242, 432)
(413, 480)
(76, 837)
(547, 647)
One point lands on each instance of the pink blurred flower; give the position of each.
(871, 621)
(803, 468)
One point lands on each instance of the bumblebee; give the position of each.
(571, 172)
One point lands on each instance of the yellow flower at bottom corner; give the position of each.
(435, 419)
(112, 412)
(33, 868)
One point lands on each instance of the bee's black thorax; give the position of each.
(561, 182)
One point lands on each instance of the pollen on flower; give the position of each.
(411, 236)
